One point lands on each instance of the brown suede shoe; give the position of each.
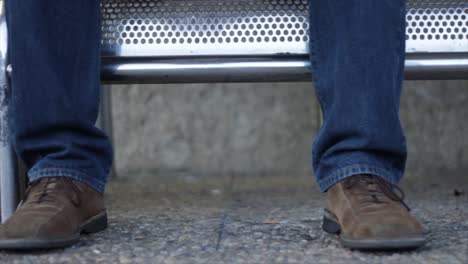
(53, 214)
(370, 215)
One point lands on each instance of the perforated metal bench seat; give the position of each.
(161, 41)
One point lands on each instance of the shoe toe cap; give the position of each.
(390, 228)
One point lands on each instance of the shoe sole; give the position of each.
(330, 225)
(95, 224)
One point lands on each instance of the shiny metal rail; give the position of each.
(438, 66)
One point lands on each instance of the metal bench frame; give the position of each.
(203, 41)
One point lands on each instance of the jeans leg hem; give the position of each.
(357, 169)
(69, 173)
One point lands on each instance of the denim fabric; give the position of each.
(54, 48)
(357, 54)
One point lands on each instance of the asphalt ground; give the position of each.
(228, 219)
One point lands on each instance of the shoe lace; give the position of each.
(377, 188)
(48, 191)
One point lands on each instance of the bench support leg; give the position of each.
(105, 119)
(9, 178)
(9, 184)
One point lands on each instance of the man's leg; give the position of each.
(54, 48)
(357, 54)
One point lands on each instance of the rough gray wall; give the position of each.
(206, 129)
(435, 116)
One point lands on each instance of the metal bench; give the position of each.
(174, 41)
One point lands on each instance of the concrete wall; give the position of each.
(206, 129)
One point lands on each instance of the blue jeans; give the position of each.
(54, 48)
(357, 55)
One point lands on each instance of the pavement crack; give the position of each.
(224, 218)
(221, 230)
